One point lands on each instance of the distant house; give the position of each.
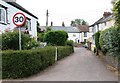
(103, 23)
(8, 9)
(84, 31)
(77, 34)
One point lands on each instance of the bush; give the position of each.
(10, 40)
(116, 12)
(109, 41)
(41, 37)
(19, 64)
(97, 36)
(57, 38)
(69, 42)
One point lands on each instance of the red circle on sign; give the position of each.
(22, 22)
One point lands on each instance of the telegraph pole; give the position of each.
(47, 18)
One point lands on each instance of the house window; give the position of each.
(85, 40)
(3, 14)
(28, 24)
(74, 35)
(85, 34)
(8, 16)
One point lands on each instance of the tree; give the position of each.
(57, 38)
(77, 22)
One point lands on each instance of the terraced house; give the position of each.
(78, 34)
(103, 23)
(8, 9)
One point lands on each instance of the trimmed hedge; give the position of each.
(64, 51)
(110, 41)
(19, 64)
(70, 43)
(97, 36)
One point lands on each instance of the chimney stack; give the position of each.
(106, 14)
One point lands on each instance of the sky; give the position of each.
(66, 10)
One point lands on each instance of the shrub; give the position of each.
(109, 41)
(69, 42)
(57, 38)
(116, 12)
(97, 36)
(10, 40)
(41, 37)
(19, 64)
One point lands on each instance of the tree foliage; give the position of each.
(97, 36)
(116, 11)
(78, 22)
(58, 38)
(109, 41)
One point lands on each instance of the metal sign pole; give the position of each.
(19, 38)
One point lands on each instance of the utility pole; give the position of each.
(47, 18)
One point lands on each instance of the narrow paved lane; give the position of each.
(83, 65)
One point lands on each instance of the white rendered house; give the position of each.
(103, 23)
(7, 11)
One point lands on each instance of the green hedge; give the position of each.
(110, 41)
(10, 40)
(97, 36)
(19, 64)
(64, 51)
(56, 38)
(70, 43)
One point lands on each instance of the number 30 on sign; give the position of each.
(19, 19)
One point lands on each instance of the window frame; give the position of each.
(5, 12)
(85, 34)
(28, 19)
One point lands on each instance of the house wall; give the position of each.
(11, 11)
(101, 27)
(74, 36)
(106, 25)
(78, 36)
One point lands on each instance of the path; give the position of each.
(83, 65)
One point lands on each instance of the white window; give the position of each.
(74, 35)
(2, 15)
(8, 15)
(85, 34)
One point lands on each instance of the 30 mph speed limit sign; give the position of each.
(19, 19)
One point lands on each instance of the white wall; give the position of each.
(74, 36)
(12, 10)
(78, 36)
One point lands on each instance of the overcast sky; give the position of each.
(66, 10)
